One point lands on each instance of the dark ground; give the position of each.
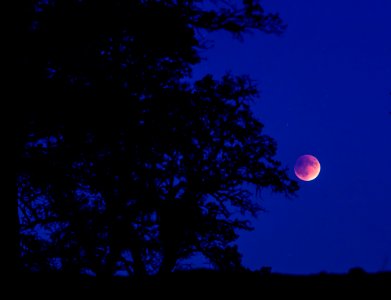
(197, 280)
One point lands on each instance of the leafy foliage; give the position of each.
(121, 159)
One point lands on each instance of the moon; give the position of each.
(307, 167)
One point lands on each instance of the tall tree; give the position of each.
(128, 161)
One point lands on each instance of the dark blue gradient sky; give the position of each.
(325, 90)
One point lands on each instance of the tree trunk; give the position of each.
(138, 264)
(168, 263)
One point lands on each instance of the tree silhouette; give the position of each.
(122, 161)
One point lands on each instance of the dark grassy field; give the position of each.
(208, 280)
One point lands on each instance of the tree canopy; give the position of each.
(124, 162)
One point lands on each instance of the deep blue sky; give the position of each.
(325, 88)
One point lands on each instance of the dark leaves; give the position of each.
(145, 168)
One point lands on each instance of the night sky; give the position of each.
(325, 90)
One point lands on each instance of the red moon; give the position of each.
(307, 167)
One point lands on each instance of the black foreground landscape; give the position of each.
(213, 280)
